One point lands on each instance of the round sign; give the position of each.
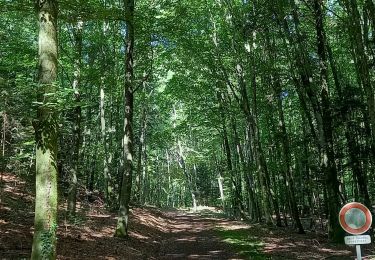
(355, 218)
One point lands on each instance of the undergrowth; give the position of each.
(241, 241)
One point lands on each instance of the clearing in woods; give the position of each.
(155, 234)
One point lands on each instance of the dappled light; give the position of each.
(155, 234)
(187, 129)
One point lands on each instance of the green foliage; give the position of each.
(187, 84)
(242, 241)
(77, 219)
(48, 239)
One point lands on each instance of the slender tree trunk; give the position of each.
(253, 206)
(238, 205)
(141, 148)
(77, 120)
(361, 59)
(169, 190)
(286, 153)
(251, 116)
(3, 145)
(44, 241)
(287, 160)
(309, 187)
(220, 181)
(86, 141)
(128, 140)
(246, 174)
(335, 232)
(145, 177)
(322, 113)
(187, 176)
(358, 174)
(353, 147)
(105, 145)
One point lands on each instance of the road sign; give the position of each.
(358, 240)
(355, 218)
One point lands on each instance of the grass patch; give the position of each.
(242, 242)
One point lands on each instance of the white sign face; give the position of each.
(358, 240)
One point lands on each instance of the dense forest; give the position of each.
(264, 109)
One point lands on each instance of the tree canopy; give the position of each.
(265, 109)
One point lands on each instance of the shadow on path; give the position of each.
(194, 237)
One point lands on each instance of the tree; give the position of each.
(274, 97)
(335, 232)
(77, 118)
(44, 242)
(128, 139)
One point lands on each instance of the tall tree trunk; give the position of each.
(145, 177)
(126, 185)
(358, 173)
(269, 198)
(353, 146)
(189, 180)
(141, 151)
(240, 160)
(86, 140)
(3, 162)
(105, 145)
(44, 241)
(322, 113)
(284, 138)
(237, 200)
(220, 181)
(77, 120)
(169, 186)
(335, 231)
(287, 158)
(361, 59)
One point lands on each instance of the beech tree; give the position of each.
(262, 108)
(46, 125)
(128, 138)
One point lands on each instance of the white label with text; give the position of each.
(358, 240)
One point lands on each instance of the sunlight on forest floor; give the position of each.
(156, 234)
(247, 246)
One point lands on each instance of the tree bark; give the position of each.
(128, 140)
(335, 232)
(105, 145)
(189, 181)
(141, 151)
(44, 241)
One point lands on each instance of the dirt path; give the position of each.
(193, 237)
(156, 234)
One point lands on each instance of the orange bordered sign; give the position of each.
(355, 218)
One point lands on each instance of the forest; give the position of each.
(131, 128)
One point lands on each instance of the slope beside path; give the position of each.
(155, 234)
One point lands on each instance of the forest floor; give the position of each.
(155, 234)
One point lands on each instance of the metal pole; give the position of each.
(358, 249)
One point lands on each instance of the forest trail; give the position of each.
(155, 234)
(192, 236)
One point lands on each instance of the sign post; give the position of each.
(356, 219)
(358, 249)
